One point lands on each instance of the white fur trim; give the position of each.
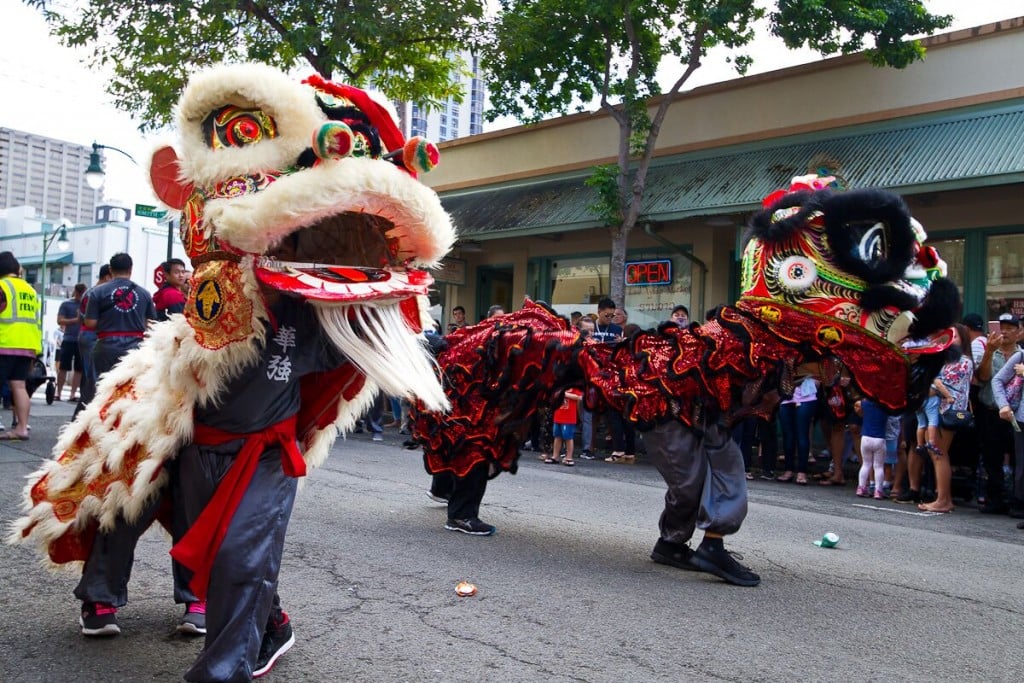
(255, 222)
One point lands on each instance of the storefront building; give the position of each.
(946, 133)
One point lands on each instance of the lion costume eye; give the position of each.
(871, 247)
(233, 126)
(796, 274)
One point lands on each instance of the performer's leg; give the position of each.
(106, 573)
(442, 485)
(464, 505)
(723, 508)
(243, 580)
(674, 451)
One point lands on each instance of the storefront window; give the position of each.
(649, 305)
(1004, 283)
(952, 252)
(578, 284)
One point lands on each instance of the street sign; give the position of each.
(147, 211)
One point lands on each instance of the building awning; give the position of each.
(59, 257)
(926, 154)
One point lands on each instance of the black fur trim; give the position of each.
(762, 227)
(878, 297)
(845, 212)
(307, 158)
(940, 309)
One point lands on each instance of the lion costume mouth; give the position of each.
(348, 258)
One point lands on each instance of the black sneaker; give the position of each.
(276, 641)
(436, 498)
(474, 527)
(99, 619)
(993, 509)
(909, 496)
(194, 621)
(587, 455)
(722, 564)
(673, 554)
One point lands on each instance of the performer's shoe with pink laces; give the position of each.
(277, 640)
(99, 619)
(194, 621)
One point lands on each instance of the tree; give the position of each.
(408, 48)
(549, 56)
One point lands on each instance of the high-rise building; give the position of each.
(455, 118)
(47, 174)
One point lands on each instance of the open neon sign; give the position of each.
(645, 273)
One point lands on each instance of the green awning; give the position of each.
(59, 257)
(926, 154)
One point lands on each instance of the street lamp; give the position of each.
(95, 175)
(62, 245)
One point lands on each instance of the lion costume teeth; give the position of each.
(305, 188)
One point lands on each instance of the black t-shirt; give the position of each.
(268, 390)
(120, 305)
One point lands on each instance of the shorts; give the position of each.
(15, 368)
(563, 431)
(928, 414)
(891, 445)
(70, 358)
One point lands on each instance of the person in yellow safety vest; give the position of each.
(21, 339)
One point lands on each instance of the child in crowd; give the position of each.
(565, 427)
(928, 423)
(872, 448)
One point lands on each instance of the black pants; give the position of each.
(996, 442)
(464, 495)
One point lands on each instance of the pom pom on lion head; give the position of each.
(307, 189)
(850, 267)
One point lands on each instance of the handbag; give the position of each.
(1014, 390)
(956, 420)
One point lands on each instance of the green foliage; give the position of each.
(608, 207)
(831, 26)
(407, 48)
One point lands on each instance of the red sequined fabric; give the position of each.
(499, 372)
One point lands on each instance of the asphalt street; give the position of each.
(566, 590)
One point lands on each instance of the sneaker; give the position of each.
(377, 436)
(673, 554)
(436, 498)
(99, 619)
(473, 527)
(768, 476)
(410, 445)
(722, 564)
(993, 509)
(587, 455)
(276, 641)
(880, 495)
(862, 491)
(194, 621)
(909, 496)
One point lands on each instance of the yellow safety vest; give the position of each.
(19, 319)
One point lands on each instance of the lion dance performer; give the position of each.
(310, 237)
(838, 285)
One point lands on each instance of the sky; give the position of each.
(48, 90)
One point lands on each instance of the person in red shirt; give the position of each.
(565, 427)
(170, 298)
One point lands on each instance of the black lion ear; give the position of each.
(765, 229)
(870, 234)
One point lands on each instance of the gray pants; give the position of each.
(106, 572)
(707, 487)
(243, 580)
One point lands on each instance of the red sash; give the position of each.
(198, 548)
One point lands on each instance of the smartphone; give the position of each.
(993, 326)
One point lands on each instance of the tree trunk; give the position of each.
(617, 268)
